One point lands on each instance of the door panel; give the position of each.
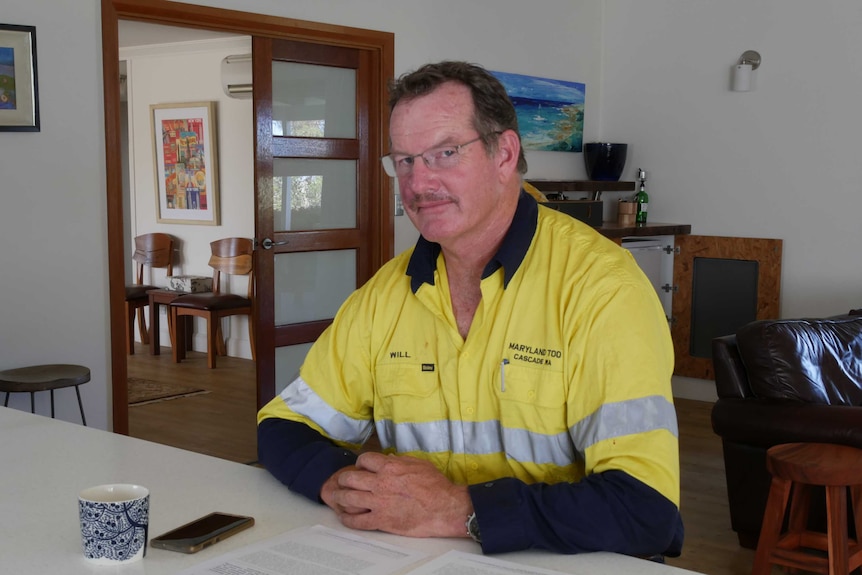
(313, 101)
(310, 286)
(725, 290)
(317, 163)
(313, 194)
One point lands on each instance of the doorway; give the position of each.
(197, 17)
(187, 405)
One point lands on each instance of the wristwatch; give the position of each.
(472, 526)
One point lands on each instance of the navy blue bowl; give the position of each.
(605, 161)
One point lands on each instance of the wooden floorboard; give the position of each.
(710, 544)
(222, 423)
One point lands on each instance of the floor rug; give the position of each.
(144, 391)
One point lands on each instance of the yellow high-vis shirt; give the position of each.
(565, 372)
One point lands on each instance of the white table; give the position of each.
(45, 462)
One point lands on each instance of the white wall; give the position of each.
(189, 71)
(776, 162)
(53, 223)
(781, 161)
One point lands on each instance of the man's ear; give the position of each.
(508, 150)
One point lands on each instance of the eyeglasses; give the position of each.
(442, 158)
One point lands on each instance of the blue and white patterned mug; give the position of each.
(114, 521)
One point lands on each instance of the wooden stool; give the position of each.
(801, 466)
(44, 378)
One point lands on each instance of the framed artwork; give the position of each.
(19, 88)
(186, 163)
(550, 112)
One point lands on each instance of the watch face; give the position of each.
(473, 528)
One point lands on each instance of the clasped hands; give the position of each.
(397, 494)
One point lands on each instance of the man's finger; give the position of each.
(372, 461)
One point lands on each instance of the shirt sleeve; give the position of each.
(610, 511)
(299, 456)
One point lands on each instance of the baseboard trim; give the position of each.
(694, 388)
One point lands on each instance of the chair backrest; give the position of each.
(155, 251)
(232, 256)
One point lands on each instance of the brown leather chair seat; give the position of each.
(230, 257)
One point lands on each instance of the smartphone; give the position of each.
(203, 532)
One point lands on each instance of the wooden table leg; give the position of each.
(155, 348)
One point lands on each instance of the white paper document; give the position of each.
(460, 563)
(314, 550)
(320, 550)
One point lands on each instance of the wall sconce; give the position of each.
(748, 62)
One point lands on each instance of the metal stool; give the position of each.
(801, 466)
(44, 378)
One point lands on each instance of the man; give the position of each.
(514, 364)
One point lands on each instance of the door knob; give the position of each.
(267, 243)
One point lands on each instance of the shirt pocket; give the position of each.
(408, 391)
(531, 398)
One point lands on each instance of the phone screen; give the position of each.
(203, 532)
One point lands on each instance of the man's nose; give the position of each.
(421, 171)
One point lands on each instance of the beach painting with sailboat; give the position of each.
(550, 112)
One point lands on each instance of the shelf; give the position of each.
(581, 186)
(616, 231)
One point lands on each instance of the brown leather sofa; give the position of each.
(783, 381)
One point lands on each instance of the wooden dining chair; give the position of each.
(230, 257)
(151, 251)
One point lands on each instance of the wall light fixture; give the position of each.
(742, 71)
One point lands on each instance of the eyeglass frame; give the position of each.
(391, 169)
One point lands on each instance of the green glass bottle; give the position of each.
(642, 201)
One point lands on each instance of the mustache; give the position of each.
(429, 197)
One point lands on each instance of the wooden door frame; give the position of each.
(192, 16)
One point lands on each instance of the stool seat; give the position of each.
(44, 378)
(796, 468)
(816, 463)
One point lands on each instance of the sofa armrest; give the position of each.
(764, 423)
(731, 379)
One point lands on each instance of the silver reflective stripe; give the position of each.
(618, 419)
(487, 437)
(625, 418)
(477, 438)
(302, 400)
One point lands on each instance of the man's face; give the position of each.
(457, 205)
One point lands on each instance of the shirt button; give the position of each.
(474, 466)
(469, 411)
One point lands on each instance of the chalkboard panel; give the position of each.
(724, 298)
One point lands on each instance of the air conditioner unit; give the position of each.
(236, 77)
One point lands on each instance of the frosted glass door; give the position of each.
(313, 222)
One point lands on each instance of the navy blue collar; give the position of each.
(515, 244)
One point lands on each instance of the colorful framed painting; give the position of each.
(186, 163)
(550, 112)
(19, 86)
